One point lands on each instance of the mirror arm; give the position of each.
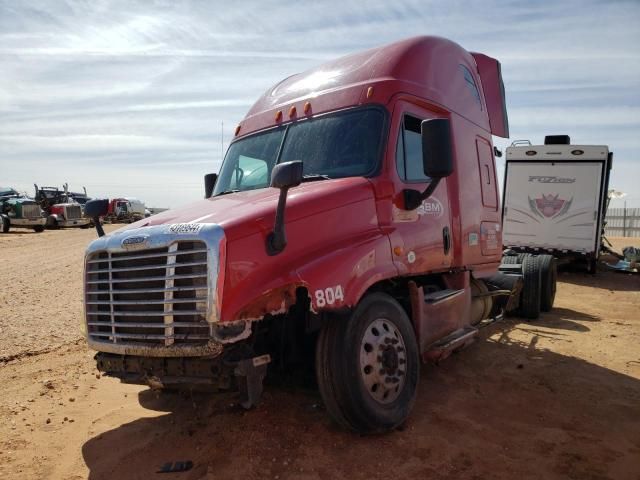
(413, 198)
(98, 225)
(277, 239)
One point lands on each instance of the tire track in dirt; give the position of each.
(41, 294)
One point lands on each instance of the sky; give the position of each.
(127, 98)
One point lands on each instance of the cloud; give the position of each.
(90, 90)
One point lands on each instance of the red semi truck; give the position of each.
(354, 223)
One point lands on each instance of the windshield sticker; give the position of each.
(185, 228)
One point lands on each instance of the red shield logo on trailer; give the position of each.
(550, 205)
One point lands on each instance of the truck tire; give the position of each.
(549, 278)
(6, 225)
(514, 259)
(510, 260)
(38, 228)
(52, 223)
(368, 366)
(530, 296)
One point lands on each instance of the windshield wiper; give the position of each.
(312, 177)
(226, 192)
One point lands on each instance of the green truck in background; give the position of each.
(19, 211)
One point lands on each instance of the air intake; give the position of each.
(557, 140)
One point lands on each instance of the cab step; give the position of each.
(456, 340)
(440, 295)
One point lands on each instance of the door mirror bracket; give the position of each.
(284, 176)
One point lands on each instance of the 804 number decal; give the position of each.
(329, 296)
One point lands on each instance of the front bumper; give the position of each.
(27, 222)
(211, 373)
(78, 222)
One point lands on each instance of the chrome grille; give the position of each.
(73, 212)
(31, 211)
(155, 296)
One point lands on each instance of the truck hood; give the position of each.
(21, 201)
(244, 213)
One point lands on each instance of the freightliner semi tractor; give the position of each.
(354, 224)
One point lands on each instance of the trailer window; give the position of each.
(409, 151)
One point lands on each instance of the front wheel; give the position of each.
(6, 226)
(38, 228)
(368, 366)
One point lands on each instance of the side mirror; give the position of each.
(286, 175)
(437, 149)
(210, 180)
(96, 209)
(283, 176)
(437, 159)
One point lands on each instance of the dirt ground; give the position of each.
(558, 398)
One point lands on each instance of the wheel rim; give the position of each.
(383, 360)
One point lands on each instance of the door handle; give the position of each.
(446, 240)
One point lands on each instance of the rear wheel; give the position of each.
(510, 260)
(530, 296)
(549, 277)
(368, 366)
(514, 259)
(38, 228)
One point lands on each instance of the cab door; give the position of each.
(422, 240)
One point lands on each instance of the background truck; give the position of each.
(354, 228)
(19, 211)
(555, 198)
(125, 210)
(60, 207)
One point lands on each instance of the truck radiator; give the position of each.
(156, 296)
(73, 212)
(31, 211)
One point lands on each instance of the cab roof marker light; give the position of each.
(307, 108)
(369, 92)
(237, 130)
(292, 111)
(278, 115)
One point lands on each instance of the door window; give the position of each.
(409, 151)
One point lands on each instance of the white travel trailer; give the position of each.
(554, 198)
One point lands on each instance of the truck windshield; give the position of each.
(6, 192)
(344, 144)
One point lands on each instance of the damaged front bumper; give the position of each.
(219, 374)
